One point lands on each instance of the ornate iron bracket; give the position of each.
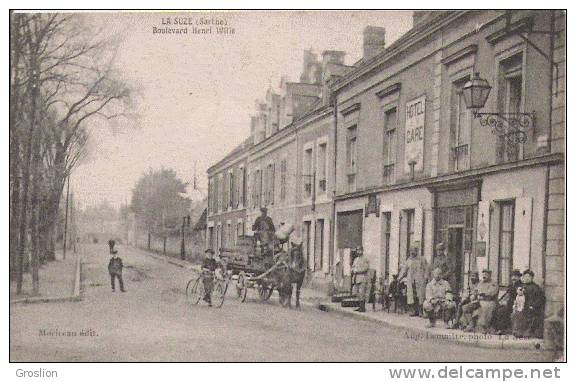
(511, 126)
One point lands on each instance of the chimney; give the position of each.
(374, 41)
(418, 17)
(309, 62)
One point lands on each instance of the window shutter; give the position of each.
(418, 227)
(326, 253)
(522, 230)
(483, 234)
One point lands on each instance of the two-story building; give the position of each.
(286, 165)
(414, 165)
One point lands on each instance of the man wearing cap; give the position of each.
(534, 305)
(446, 265)
(487, 294)
(436, 301)
(360, 268)
(264, 228)
(415, 271)
(115, 270)
(209, 265)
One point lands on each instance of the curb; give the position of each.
(508, 344)
(76, 294)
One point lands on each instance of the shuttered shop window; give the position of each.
(350, 229)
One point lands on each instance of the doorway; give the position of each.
(455, 251)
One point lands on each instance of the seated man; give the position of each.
(209, 265)
(468, 302)
(487, 294)
(436, 303)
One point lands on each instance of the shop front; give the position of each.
(455, 220)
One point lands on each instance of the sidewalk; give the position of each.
(59, 281)
(413, 327)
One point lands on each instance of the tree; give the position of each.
(158, 201)
(63, 84)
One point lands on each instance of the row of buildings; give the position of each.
(385, 152)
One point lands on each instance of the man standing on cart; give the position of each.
(264, 231)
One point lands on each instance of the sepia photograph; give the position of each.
(288, 186)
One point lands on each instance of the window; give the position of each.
(216, 194)
(256, 188)
(230, 238)
(386, 228)
(506, 242)
(307, 172)
(242, 188)
(211, 237)
(351, 154)
(351, 158)
(283, 169)
(210, 196)
(231, 191)
(460, 127)
(239, 230)
(389, 153)
(271, 180)
(322, 157)
(510, 100)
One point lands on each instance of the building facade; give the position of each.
(415, 166)
(385, 154)
(286, 165)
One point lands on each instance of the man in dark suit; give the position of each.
(264, 229)
(115, 269)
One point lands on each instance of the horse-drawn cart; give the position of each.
(250, 264)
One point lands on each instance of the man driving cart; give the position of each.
(264, 231)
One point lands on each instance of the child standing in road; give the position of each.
(115, 269)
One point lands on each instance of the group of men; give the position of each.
(430, 294)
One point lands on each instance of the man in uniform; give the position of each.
(360, 286)
(446, 265)
(436, 301)
(415, 271)
(488, 295)
(209, 265)
(264, 229)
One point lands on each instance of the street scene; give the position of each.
(152, 321)
(288, 186)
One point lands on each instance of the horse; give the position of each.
(293, 272)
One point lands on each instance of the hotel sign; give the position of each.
(414, 138)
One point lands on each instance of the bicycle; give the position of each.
(195, 290)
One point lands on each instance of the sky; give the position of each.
(197, 91)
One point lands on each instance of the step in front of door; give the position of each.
(351, 303)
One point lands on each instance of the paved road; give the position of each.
(152, 322)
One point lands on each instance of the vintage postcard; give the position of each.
(288, 186)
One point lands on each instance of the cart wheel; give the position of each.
(218, 294)
(195, 290)
(265, 291)
(242, 286)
